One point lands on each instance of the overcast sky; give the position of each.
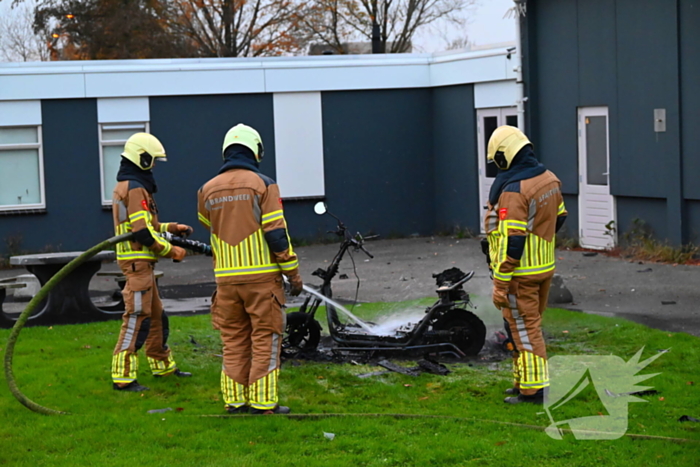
(486, 25)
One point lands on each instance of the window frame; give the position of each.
(141, 126)
(39, 146)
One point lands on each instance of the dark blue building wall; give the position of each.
(651, 212)
(693, 213)
(455, 163)
(378, 157)
(597, 68)
(689, 17)
(647, 42)
(622, 54)
(74, 218)
(555, 55)
(397, 162)
(192, 129)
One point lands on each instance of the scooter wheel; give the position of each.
(468, 332)
(300, 335)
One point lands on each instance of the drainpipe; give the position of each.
(519, 10)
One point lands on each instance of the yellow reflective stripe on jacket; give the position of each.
(203, 219)
(272, 216)
(562, 208)
(166, 245)
(538, 254)
(499, 239)
(250, 256)
(289, 265)
(243, 271)
(138, 215)
(149, 225)
(502, 276)
(518, 225)
(164, 227)
(533, 270)
(124, 251)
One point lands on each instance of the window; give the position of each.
(21, 168)
(112, 139)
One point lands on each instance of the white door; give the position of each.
(487, 121)
(596, 204)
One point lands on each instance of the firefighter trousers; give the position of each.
(144, 323)
(523, 322)
(251, 320)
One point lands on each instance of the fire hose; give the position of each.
(43, 293)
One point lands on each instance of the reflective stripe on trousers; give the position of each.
(251, 321)
(527, 299)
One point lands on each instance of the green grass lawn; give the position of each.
(67, 368)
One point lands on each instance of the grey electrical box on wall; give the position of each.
(659, 120)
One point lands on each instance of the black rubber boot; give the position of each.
(512, 391)
(280, 409)
(177, 372)
(237, 410)
(133, 386)
(537, 398)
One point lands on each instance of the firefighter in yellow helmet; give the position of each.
(242, 209)
(525, 210)
(134, 210)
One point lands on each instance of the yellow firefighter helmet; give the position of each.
(246, 136)
(504, 144)
(143, 149)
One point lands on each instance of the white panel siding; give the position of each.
(16, 113)
(41, 86)
(363, 77)
(474, 70)
(299, 144)
(143, 78)
(165, 83)
(495, 94)
(125, 109)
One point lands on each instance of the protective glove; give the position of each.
(296, 285)
(183, 230)
(500, 296)
(177, 253)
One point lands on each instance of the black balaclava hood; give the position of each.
(523, 166)
(238, 156)
(130, 171)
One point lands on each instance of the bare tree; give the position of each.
(239, 28)
(18, 41)
(459, 43)
(392, 22)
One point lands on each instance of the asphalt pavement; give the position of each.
(662, 296)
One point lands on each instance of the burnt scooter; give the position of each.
(447, 327)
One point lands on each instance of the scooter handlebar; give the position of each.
(366, 252)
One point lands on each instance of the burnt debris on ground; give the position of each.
(493, 352)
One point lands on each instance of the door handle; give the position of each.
(605, 173)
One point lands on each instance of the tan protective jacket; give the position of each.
(527, 208)
(134, 210)
(243, 211)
